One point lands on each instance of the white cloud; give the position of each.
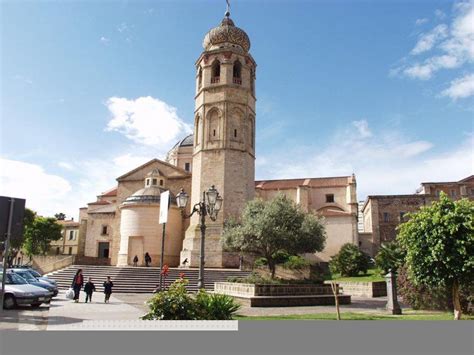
(426, 41)
(421, 21)
(66, 165)
(387, 162)
(147, 121)
(104, 40)
(363, 128)
(440, 14)
(460, 88)
(43, 191)
(446, 46)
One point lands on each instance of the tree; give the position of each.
(349, 261)
(60, 216)
(39, 234)
(439, 241)
(389, 257)
(279, 225)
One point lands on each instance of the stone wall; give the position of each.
(363, 289)
(251, 290)
(50, 263)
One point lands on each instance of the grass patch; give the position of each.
(371, 276)
(358, 316)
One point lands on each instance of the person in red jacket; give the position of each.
(77, 284)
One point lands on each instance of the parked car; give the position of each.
(28, 276)
(38, 276)
(20, 292)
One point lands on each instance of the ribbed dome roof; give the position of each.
(149, 194)
(226, 32)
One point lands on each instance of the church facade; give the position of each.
(123, 222)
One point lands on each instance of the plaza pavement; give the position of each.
(64, 314)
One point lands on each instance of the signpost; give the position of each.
(11, 223)
(164, 206)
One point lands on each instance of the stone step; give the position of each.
(141, 279)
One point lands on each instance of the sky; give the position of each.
(92, 89)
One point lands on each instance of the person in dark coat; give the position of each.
(147, 259)
(89, 288)
(108, 289)
(77, 284)
(135, 260)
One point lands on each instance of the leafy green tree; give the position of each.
(39, 234)
(389, 257)
(268, 228)
(349, 261)
(439, 240)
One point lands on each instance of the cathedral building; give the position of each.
(123, 222)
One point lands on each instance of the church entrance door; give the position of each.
(103, 249)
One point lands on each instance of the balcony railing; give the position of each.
(215, 80)
(237, 81)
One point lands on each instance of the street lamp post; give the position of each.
(210, 205)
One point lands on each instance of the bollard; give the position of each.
(392, 302)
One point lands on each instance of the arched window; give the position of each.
(200, 78)
(198, 130)
(237, 73)
(216, 72)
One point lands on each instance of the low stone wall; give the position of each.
(280, 295)
(363, 289)
(49, 263)
(251, 290)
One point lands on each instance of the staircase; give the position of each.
(140, 279)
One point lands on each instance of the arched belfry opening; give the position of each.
(237, 72)
(216, 72)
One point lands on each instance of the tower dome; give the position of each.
(226, 32)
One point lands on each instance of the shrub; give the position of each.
(173, 304)
(350, 261)
(216, 306)
(296, 262)
(281, 257)
(177, 304)
(390, 256)
(431, 298)
(254, 278)
(259, 262)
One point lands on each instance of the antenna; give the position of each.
(227, 11)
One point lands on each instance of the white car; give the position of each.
(19, 292)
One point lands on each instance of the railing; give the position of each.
(237, 81)
(215, 80)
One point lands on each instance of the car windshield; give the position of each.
(34, 273)
(13, 279)
(26, 275)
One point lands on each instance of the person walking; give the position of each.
(108, 289)
(77, 283)
(135, 260)
(147, 259)
(89, 288)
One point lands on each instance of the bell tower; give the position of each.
(224, 136)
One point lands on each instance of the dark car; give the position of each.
(43, 278)
(25, 273)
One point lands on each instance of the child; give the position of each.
(108, 289)
(89, 288)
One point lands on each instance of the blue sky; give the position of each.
(91, 89)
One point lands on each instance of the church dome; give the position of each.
(149, 194)
(226, 32)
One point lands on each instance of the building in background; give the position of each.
(70, 239)
(383, 213)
